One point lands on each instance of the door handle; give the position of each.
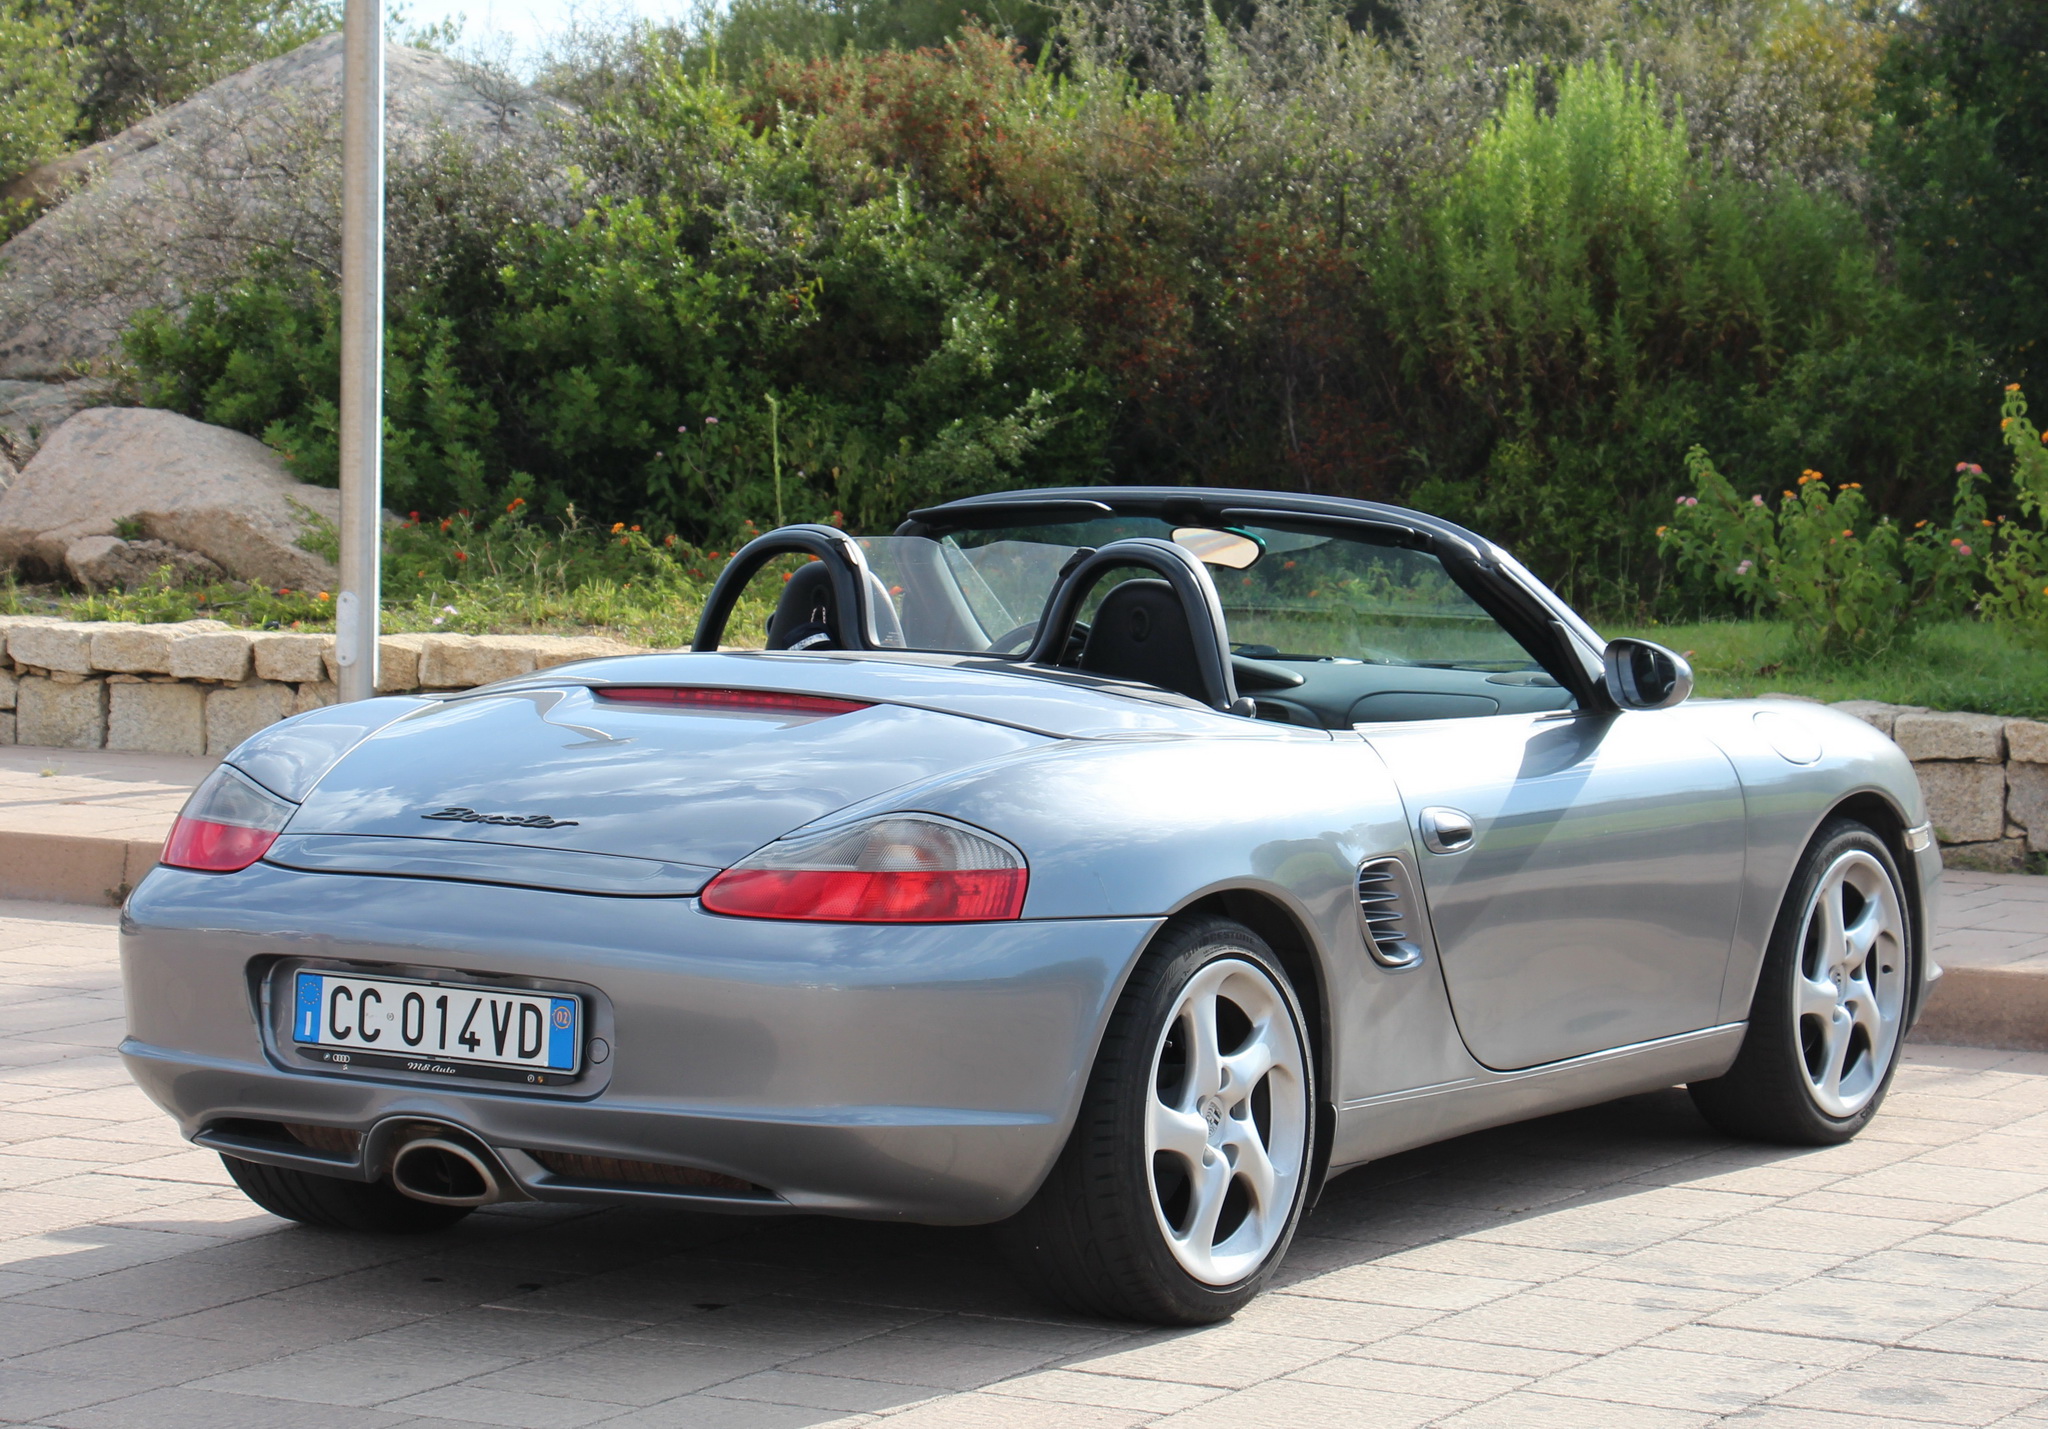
(1445, 830)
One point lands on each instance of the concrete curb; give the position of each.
(71, 868)
(2004, 1008)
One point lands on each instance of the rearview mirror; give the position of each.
(1645, 676)
(1233, 550)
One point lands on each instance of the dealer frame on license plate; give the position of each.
(449, 1029)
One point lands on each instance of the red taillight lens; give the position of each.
(739, 701)
(894, 870)
(229, 822)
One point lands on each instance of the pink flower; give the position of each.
(1691, 500)
(1756, 501)
(711, 421)
(1964, 549)
(1745, 568)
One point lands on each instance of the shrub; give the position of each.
(2019, 570)
(1592, 297)
(1848, 583)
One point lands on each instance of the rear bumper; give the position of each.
(926, 1073)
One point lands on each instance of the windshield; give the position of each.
(1286, 595)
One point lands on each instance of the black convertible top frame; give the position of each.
(1535, 617)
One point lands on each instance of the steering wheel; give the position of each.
(1021, 636)
(1014, 641)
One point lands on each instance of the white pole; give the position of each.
(362, 347)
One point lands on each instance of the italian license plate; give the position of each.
(494, 1032)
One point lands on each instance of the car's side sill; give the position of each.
(1371, 1127)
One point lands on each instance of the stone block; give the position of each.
(313, 695)
(552, 650)
(1943, 735)
(462, 662)
(1965, 801)
(144, 649)
(398, 662)
(8, 684)
(288, 657)
(215, 655)
(2026, 802)
(1876, 713)
(235, 713)
(7, 728)
(62, 716)
(157, 718)
(55, 645)
(1993, 856)
(11, 623)
(2026, 741)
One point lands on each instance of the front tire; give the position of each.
(331, 1203)
(1830, 1004)
(1185, 1175)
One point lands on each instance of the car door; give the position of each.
(1590, 899)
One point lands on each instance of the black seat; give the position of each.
(1141, 632)
(805, 615)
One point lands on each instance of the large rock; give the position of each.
(181, 200)
(30, 411)
(110, 563)
(205, 489)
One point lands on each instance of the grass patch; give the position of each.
(510, 576)
(1954, 665)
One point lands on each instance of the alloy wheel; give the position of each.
(1850, 991)
(1226, 1126)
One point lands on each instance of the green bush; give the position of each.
(1595, 296)
(1848, 583)
(2019, 570)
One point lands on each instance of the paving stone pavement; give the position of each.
(1621, 1265)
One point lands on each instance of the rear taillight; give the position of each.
(900, 869)
(737, 701)
(229, 822)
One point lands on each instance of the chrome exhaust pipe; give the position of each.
(445, 1173)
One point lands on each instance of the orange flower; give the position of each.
(2012, 386)
(1918, 524)
(1849, 533)
(636, 528)
(462, 555)
(446, 524)
(618, 526)
(517, 502)
(321, 596)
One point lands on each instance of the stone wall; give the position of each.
(202, 687)
(1985, 778)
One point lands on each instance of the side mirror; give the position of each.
(1645, 676)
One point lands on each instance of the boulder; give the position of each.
(30, 411)
(110, 563)
(201, 488)
(180, 201)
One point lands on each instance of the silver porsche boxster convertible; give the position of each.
(1116, 864)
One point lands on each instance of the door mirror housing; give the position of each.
(1642, 675)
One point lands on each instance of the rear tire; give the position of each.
(1181, 1185)
(1828, 1015)
(333, 1204)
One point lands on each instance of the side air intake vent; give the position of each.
(1386, 899)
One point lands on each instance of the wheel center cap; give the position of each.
(1212, 1111)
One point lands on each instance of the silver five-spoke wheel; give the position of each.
(1834, 991)
(1196, 1140)
(1226, 1129)
(1852, 982)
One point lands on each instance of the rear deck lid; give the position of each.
(569, 770)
